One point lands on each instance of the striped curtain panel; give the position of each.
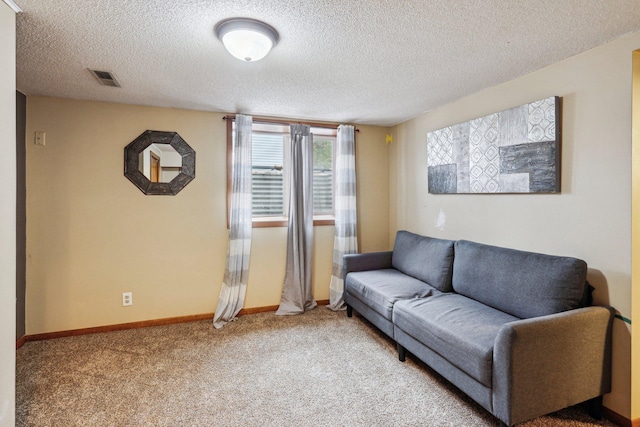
(234, 284)
(346, 218)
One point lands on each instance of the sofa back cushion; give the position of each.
(424, 258)
(523, 284)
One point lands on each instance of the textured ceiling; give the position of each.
(368, 62)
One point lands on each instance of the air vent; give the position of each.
(105, 78)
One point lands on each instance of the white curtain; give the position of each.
(346, 236)
(297, 294)
(234, 284)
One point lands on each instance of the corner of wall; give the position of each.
(7, 214)
(635, 241)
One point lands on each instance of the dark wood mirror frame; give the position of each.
(138, 145)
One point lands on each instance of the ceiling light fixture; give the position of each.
(247, 39)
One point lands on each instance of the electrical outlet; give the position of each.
(127, 299)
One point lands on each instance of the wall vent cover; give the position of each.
(105, 78)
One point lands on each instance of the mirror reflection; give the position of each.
(160, 162)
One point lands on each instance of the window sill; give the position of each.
(271, 221)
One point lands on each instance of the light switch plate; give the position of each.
(40, 139)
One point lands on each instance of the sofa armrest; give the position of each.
(368, 261)
(547, 363)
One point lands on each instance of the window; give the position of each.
(323, 160)
(269, 186)
(267, 183)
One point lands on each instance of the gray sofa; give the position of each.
(513, 330)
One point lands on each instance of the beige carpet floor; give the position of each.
(316, 369)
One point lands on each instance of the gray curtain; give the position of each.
(346, 236)
(297, 294)
(234, 284)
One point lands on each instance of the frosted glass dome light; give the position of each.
(246, 39)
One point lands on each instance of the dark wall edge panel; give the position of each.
(21, 214)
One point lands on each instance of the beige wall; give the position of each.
(591, 219)
(7, 214)
(635, 249)
(91, 234)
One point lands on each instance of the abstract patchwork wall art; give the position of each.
(513, 151)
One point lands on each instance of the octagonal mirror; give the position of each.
(159, 163)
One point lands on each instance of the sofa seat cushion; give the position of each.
(425, 258)
(461, 330)
(380, 289)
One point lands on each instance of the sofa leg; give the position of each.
(402, 353)
(594, 406)
(349, 311)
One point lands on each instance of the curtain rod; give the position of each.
(289, 122)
